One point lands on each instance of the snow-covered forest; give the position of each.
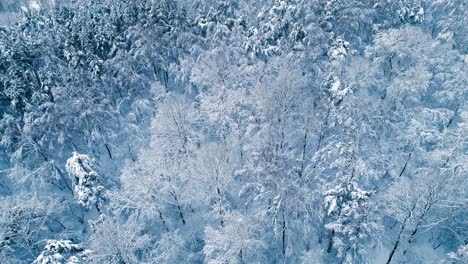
(233, 131)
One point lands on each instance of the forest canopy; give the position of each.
(233, 131)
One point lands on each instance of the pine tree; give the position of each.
(86, 182)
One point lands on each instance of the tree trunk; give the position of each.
(163, 221)
(330, 242)
(284, 235)
(108, 151)
(304, 148)
(406, 164)
(427, 206)
(220, 202)
(402, 229)
(181, 214)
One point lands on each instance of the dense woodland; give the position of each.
(233, 131)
